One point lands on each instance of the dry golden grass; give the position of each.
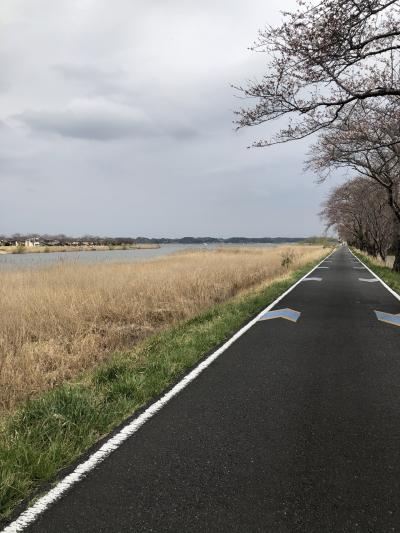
(61, 320)
(377, 261)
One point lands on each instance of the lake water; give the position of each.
(43, 259)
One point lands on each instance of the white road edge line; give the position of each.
(378, 278)
(28, 516)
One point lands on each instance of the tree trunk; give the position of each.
(396, 264)
(396, 211)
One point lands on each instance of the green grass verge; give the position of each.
(51, 431)
(384, 272)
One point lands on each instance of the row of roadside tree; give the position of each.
(333, 73)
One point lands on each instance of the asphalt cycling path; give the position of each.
(294, 428)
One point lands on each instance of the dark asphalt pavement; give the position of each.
(294, 428)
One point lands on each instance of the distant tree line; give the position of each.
(334, 72)
(65, 240)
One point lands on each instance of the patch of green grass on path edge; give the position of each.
(51, 431)
(384, 272)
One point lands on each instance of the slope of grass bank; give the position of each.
(49, 432)
(383, 271)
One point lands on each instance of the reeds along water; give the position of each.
(61, 320)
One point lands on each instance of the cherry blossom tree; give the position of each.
(359, 212)
(367, 142)
(322, 62)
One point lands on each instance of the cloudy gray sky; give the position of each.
(116, 119)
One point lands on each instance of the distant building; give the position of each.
(29, 243)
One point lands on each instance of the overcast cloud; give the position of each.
(116, 119)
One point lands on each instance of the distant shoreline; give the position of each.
(6, 250)
(48, 243)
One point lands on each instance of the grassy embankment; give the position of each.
(383, 270)
(69, 373)
(94, 248)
